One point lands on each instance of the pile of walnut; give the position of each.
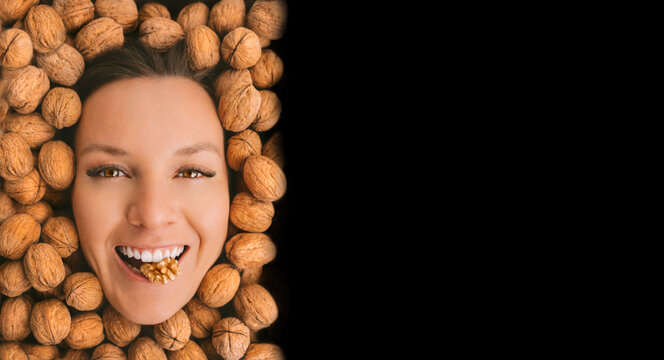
(51, 303)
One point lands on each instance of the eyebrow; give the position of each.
(187, 150)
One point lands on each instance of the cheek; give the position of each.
(208, 214)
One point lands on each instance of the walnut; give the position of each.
(268, 70)
(74, 13)
(226, 15)
(10, 11)
(123, 12)
(61, 107)
(58, 291)
(50, 321)
(57, 198)
(269, 111)
(160, 33)
(40, 210)
(145, 348)
(15, 48)
(77, 261)
(11, 350)
(7, 206)
(264, 351)
(265, 42)
(119, 330)
(107, 351)
(238, 106)
(43, 267)
(56, 164)
(201, 317)
(268, 18)
(229, 78)
(251, 214)
(230, 338)
(174, 332)
(152, 9)
(12, 278)
(17, 233)
(45, 27)
(250, 250)
(255, 306)
(83, 291)
(241, 146)
(208, 349)
(27, 89)
(202, 48)
(32, 127)
(26, 190)
(63, 66)
(264, 178)
(15, 318)
(86, 331)
(73, 354)
(193, 15)
(162, 271)
(41, 352)
(16, 159)
(98, 36)
(273, 149)
(219, 285)
(60, 231)
(251, 275)
(190, 351)
(241, 48)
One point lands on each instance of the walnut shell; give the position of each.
(160, 33)
(98, 36)
(16, 159)
(255, 306)
(60, 231)
(190, 351)
(86, 331)
(32, 127)
(119, 330)
(123, 12)
(40, 210)
(174, 332)
(203, 46)
(269, 111)
(74, 13)
(268, 70)
(26, 190)
(41, 352)
(57, 198)
(226, 15)
(11, 11)
(63, 66)
(11, 350)
(83, 291)
(73, 354)
(193, 15)
(50, 321)
(145, 348)
(12, 278)
(56, 164)
(27, 89)
(241, 146)
(219, 285)
(15, 318)
(268, 18)
(17, 233)
(264, 351)
(241, 48)
(238, 106)
(251, 275)
(201, 317)
(7, 206)
(45, 27)
(251, 214)
(264, 178)
(61, 107)
(43, 267)
(15, 48)
(208, 349)
(108, 351)
(229, 78)
(58, 291)
(250, 250)
(152, 9)
(230, 338)
(273, 149)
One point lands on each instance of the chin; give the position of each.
(150, 314)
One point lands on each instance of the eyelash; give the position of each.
(98, 170)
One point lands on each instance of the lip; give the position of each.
(138, 277)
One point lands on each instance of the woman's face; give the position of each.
(150, 177)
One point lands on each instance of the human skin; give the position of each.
(148, 198)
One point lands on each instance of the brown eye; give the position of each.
(110, 172)
(189, 173)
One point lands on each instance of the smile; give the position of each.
(135, 257)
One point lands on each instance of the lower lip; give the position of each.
(139, 277)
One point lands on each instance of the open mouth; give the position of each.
(135, 258)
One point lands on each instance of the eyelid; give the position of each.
(96, 172)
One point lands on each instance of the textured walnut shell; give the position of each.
(123, 12)
(32, 127)
(16, 159)
(268, 70)
(226, 15)
(229, 79)
(86, 331)
(17, 233)
(58, 291)
(45, 27)
(264, 178)
(15, 48)
(251, 214)
(201, 317)
(208, 349)
(26, 190)
(63, 66)
(73, 354)
(145, 348)
(15, 318)
(74, 13)
(61, 107)
(11, 350)
(50, 321)
(193, 15)
(190, 351)
(174, 332)
(264, 351)
(238, 106)
(12, 278)
(230, 338)
(40, 210)
(57, 198)
(241, 146)
(241, 48)
(13, 10)
(160, 33)
(152, 9)
(60, 232)
(119, 330)
(43, 267)
(273, 149)
(269, 111)
(27, 88)
(250, 250)
(56, 164)
(98, 36)
(268, 18)
(82, 291)
(219, 285)
(108, 351)
(202, 48)
(41, 352)
(7, 206)
(255, 306)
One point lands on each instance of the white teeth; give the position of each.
(151, 255)
(174, 251)
(146, 256)
(128, 252)
(167, 253)
(156, 256)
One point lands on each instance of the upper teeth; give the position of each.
(152, 255)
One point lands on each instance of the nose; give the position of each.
(152, 206)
